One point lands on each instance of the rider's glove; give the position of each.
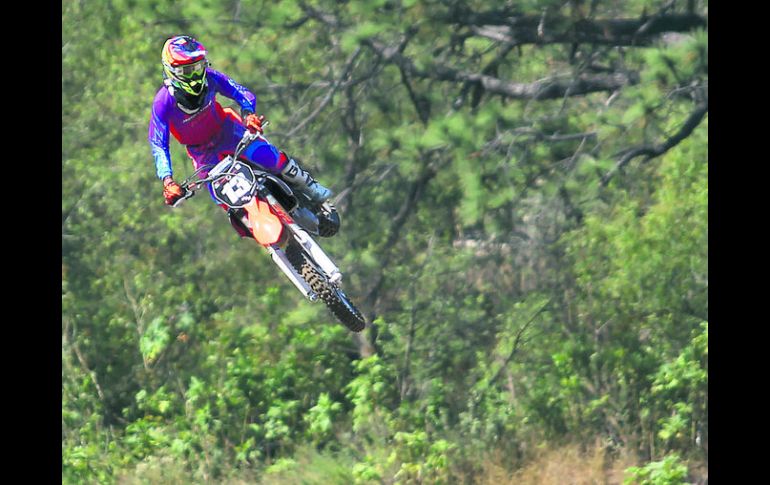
(254, 123)
(172, 191)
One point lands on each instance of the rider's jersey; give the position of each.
(193, 129)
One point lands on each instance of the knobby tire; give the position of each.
(328, 222)
(332, 297)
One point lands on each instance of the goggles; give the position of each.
(189, 72)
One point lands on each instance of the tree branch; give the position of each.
(329, 94)
(516, 342)
(551, 88)
(529, 29)
(652, 151)
(323, 17)
(407, 208)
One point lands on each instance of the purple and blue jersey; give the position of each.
(210, 132)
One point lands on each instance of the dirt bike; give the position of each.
(283, 222)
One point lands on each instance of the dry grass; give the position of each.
(566, 465)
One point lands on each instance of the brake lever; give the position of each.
(188, 193)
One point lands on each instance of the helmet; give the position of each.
(184, 64)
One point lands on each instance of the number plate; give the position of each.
(236, 187)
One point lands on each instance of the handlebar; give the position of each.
(190, 185)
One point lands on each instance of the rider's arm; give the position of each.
(225, 86)
(158, 134)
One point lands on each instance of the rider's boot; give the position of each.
(302, 180)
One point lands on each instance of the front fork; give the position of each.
(311, 248)
(314, 250)
(280, 260)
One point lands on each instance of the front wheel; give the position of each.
(333, 297)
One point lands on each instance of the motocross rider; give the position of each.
(186, 105)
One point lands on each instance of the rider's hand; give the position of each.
(254, 123)
(172, 191)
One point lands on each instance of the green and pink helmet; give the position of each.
(184, 64)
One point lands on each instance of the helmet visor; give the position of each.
(189, 72)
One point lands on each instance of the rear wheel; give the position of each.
(333, 297)
(328, 220)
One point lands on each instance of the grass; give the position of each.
(566, 465)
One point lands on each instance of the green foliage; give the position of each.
(154, 340)
(371, 393)
(668, 471)
(309, 466)
(320, 419)
(367, 471)
(420, 460)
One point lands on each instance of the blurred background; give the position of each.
(523, 189)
